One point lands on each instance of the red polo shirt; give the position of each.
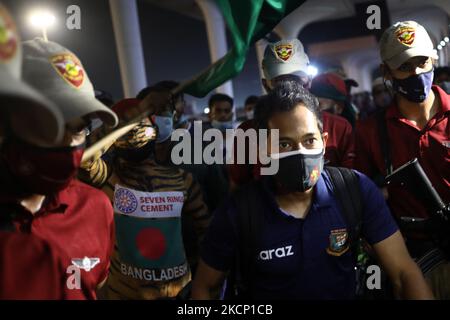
(431, 146)
(78, 222)
(32, 269)
(339, 151)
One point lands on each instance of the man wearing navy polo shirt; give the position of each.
(298, 256)
(416, 126)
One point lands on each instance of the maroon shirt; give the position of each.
(31, 269)
(431, 146)
(78, 222)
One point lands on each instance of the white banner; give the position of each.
(141, 204)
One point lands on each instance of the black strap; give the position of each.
(249, 202)
(347, 190)
(383, 138)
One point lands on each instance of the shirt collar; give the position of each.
(394, 112)
(322, 196)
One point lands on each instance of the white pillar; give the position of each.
(215, 27)
(260, 47)
(127, 33)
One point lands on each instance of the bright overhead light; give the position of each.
(312, 71)
(446, 39)
(42, 19)
(439, 47)
(206, 110)
(442, 43)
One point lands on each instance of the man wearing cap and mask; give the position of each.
(38, 178)
(48, 278)
(296, 244)
(415, 125)
(286, 60)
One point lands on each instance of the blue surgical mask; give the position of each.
(250, 114)
(415, 88)
(222, 125)
(165, 128)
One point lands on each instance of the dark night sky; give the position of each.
(175, 46)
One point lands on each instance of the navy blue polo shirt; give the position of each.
(301, 258)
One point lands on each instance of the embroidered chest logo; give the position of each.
(87, 264)
(69, 68)
(338, 242)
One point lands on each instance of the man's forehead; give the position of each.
(222, 104)
(299, 119)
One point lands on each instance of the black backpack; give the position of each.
(250, 203)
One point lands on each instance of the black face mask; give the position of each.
(415, 88)
(299, 172)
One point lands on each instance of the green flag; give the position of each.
(248, 21)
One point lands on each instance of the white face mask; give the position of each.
(249, 114)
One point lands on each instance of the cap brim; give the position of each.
(33, 117)
(398, 60)
(284, 69)
(74, 105)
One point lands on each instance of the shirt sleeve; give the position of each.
(219, 245)
(378, 222)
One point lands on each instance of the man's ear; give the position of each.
(325, 139)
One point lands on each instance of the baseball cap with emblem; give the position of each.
(285, 57)
(32, 117)
(405, 40)
(59, 75)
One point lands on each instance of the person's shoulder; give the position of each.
(364, 181)
(444, 96)
(369, 124)
(336, 120)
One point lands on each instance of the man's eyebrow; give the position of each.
(308, 135)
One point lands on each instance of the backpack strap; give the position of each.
(249, 204)
(347, 190)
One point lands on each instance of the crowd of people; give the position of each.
(129, 223)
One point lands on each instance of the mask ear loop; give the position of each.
(390, 89)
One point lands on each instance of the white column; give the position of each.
(260, 47)
(215, 27)
(127, 33)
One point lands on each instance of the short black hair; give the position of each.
(166, 85)
(219, 97)
(251, 100)
(283, 98)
